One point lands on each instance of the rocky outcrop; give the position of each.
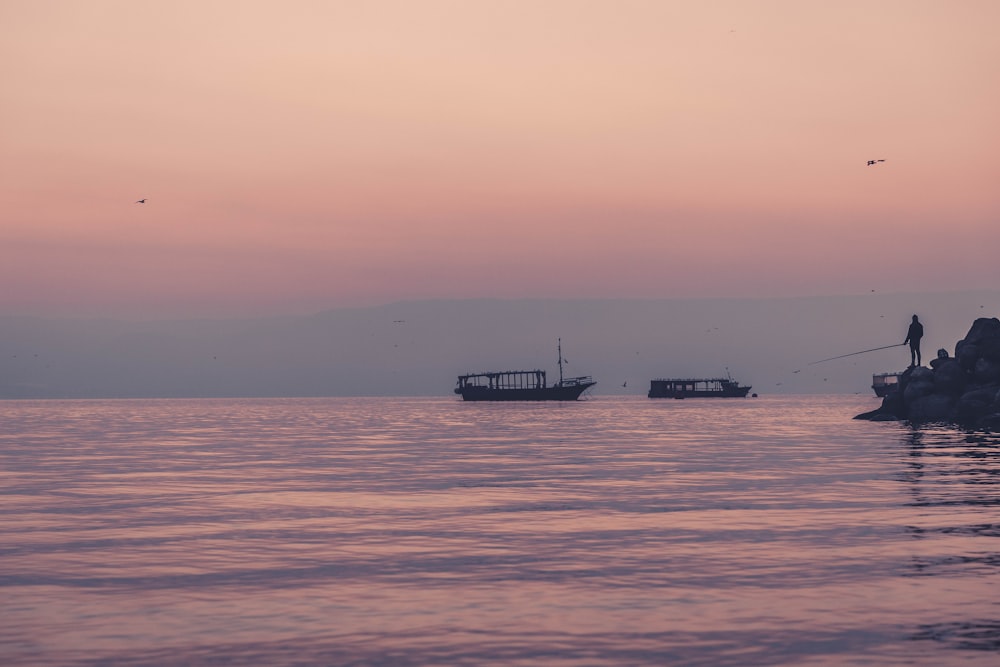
(964, 389)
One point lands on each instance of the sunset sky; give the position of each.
(298, 156)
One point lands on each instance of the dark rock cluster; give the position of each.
(964, 389)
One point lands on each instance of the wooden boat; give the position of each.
(522, 385)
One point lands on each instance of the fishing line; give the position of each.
(885, 347)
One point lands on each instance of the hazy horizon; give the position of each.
(419, 347)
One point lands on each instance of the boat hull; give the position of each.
(554, 393)
(739, 392)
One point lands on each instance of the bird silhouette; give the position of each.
(141, 201)
(871, 162)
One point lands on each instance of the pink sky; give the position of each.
(299, 156)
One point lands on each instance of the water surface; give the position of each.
(374, 531)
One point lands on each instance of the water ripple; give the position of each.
(430, 531)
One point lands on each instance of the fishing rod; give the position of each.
(885, 347)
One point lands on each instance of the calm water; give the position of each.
(617, 531)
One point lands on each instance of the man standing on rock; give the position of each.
(913, 336)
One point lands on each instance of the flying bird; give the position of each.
(871, 162)
(141, 201)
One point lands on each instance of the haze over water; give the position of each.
(429, 531)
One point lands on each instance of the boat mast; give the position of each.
(560, 360)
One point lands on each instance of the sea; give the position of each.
(428, 531)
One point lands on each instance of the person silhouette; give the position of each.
(913, 336)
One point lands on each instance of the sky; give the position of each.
(297, 156)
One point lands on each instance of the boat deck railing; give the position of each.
(695, 384)
(504, 380)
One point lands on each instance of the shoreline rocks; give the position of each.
(963, 390)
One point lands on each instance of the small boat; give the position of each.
(725, 387)
(885, 383)
(522, 385)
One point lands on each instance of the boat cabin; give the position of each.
(696, 387)
(503, 380)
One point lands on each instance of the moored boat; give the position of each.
(885, 383)
(697, 388)
(522, 385)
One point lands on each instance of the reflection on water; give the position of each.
(431, 531)
(975, 636)
(955, 475)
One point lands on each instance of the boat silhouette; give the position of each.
(725, 387)
(522, 385)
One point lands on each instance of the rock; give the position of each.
(963, 390)
(918, 389)
(893, 405)
(984, 333)
(990, 422)
(949, 378)
(930, 408)
(874, 415)
(986, 371)
(990, 349)
(974, 405)
(967, 354)
(916, 382)
(892, 409)
(984, 328)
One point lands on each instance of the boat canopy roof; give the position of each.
(504, 379)
(494, 374)
(516, 380)
(690, 380)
